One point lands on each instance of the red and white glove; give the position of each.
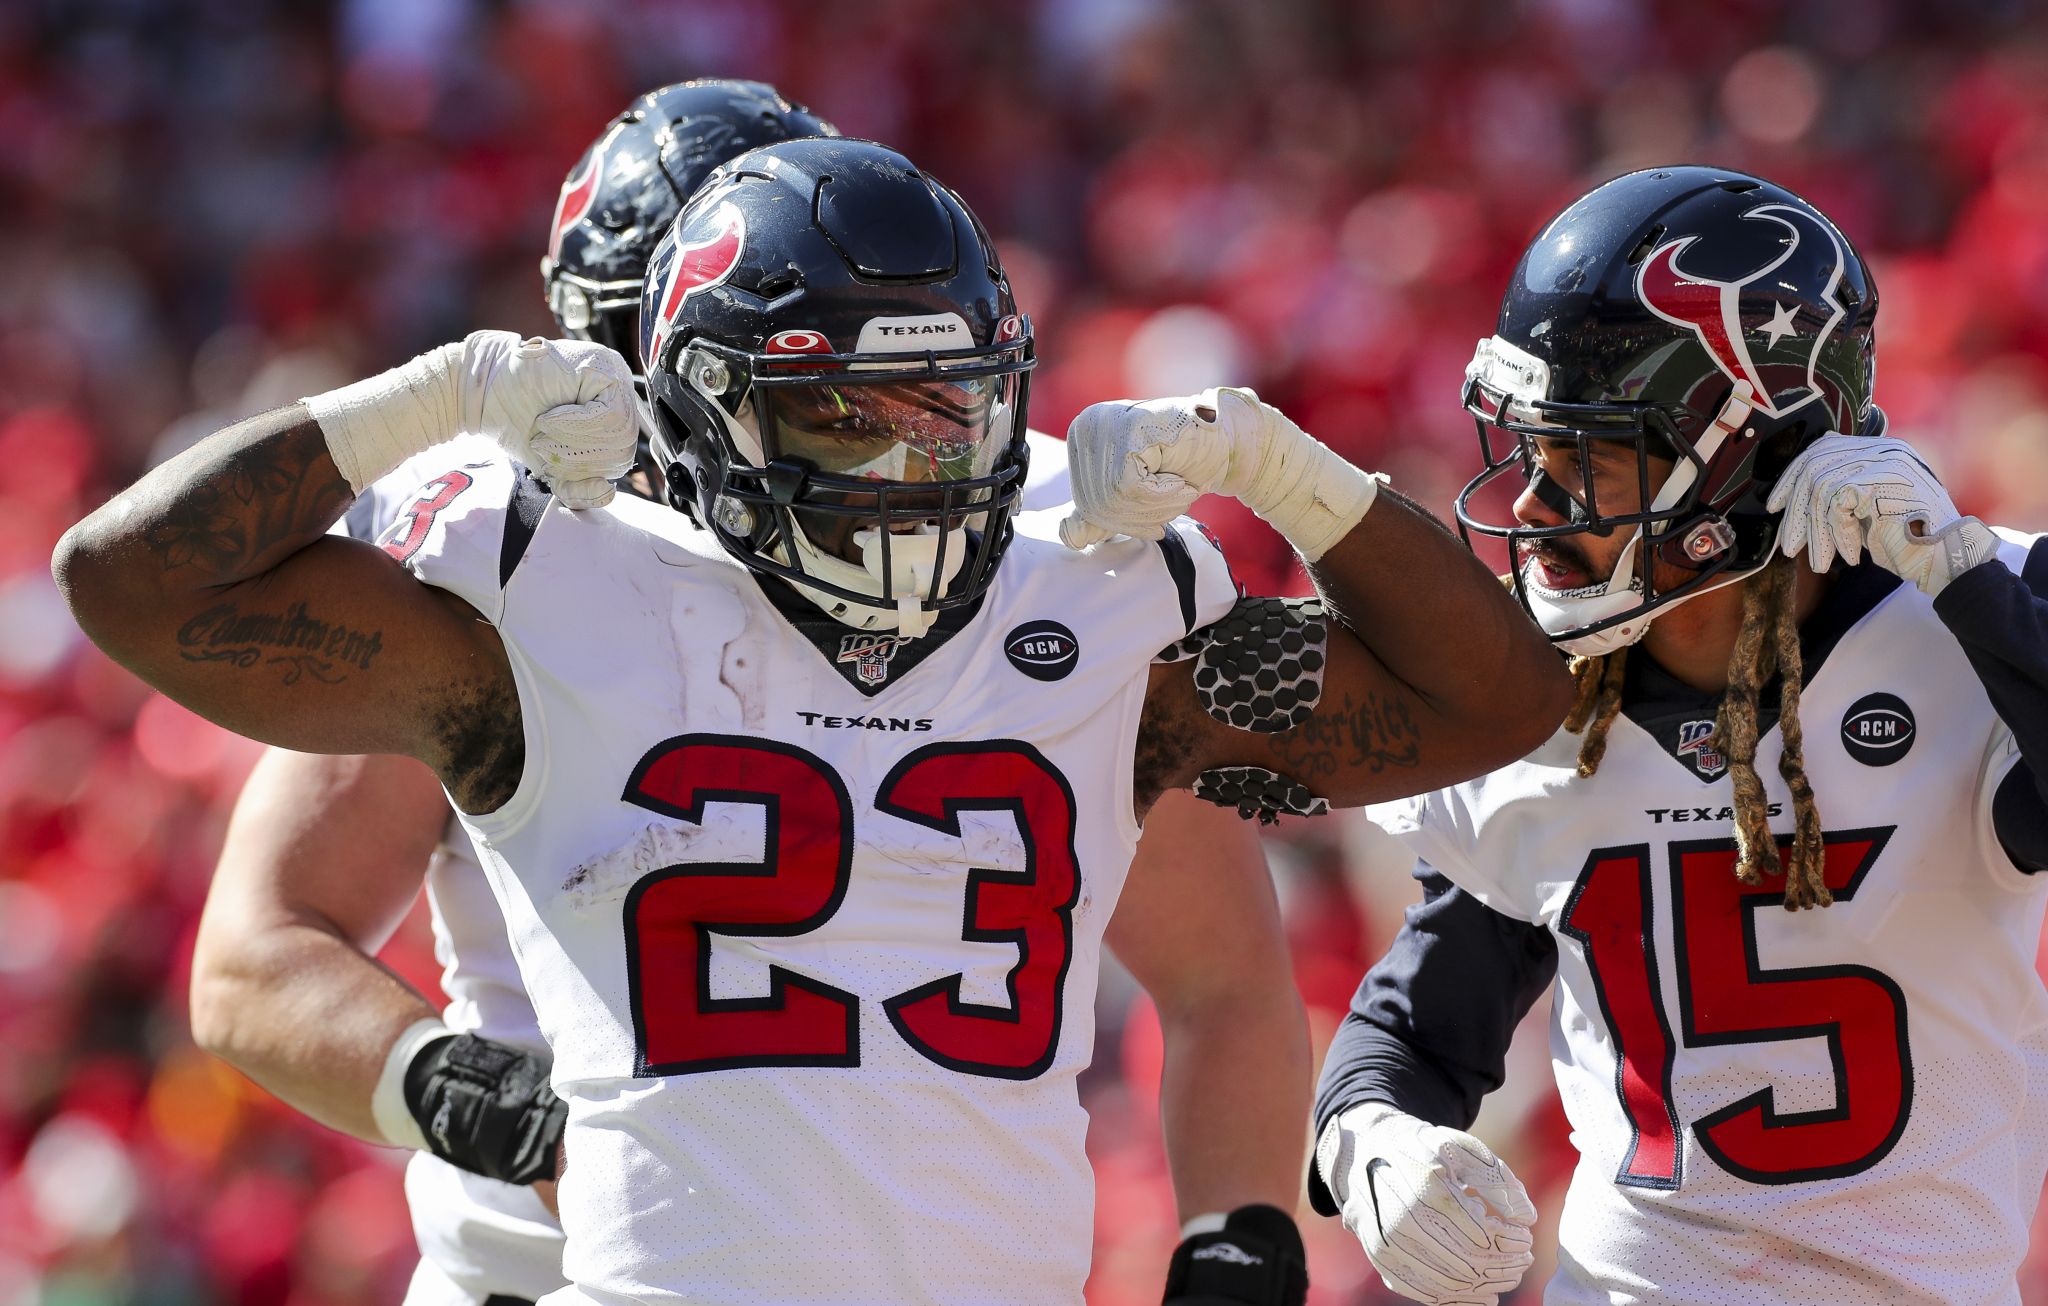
(1442, 1218)
(564, 408)
(1846, 494)
(1136, 466)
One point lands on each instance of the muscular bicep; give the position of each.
(337, 842)
(215, 580)
(1284, 710)
(337, 649)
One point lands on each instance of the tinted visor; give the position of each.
(927, 432)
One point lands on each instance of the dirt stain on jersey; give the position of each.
(608, 877)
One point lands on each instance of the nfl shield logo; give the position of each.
(869, 654)
(1696, 737)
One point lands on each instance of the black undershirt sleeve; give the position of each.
(2001, 621)
(1429, 1027)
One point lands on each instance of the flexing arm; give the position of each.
(213, 579)
(1199, 927)
(1429, 672)
(322, 860)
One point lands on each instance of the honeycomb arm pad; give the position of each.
(1260, 666)
(1257, 793)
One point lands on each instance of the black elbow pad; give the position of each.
(486, 1108)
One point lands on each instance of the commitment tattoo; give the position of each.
(254, 498)
(306, 646)
(1376, 734)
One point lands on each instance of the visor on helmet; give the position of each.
(889, 442)
(914, 432)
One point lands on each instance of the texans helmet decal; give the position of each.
(579, 192)
(1712, 309)
(699, 262)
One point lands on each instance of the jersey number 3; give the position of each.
(672, 913)
(1726, 997)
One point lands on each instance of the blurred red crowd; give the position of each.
(208, 207)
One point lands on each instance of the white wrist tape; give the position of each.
(1300, 486)
(387, 1102)
(375, 424)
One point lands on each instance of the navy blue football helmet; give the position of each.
(834, 357)
(1695, 315)
(619, 199)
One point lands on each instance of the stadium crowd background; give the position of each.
(208, 207)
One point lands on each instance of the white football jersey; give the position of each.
(1836, 1105)
(480, 1236)
(813, 927)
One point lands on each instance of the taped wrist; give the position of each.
(1301, 486)
(1256, 1258)
(486, 1108)
(375, 424)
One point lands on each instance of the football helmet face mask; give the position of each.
(839, 379)
(1699, 317)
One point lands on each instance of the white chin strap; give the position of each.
(1558, 610)
(913, 558)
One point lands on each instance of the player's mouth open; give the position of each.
(1558, 572)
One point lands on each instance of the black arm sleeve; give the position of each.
(2001, 620)
(1429, 1027)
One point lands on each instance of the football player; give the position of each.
(324, 854)
(807, 821)
(1805, 681)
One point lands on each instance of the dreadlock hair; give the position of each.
(1768, 643)
(1598, 680)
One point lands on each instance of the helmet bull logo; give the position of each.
(1713, 309)
(699, 263)
(579, 193)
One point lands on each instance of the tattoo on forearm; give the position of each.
(301, 644)
(255, 497)
(1377, 733)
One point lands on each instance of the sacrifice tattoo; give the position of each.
(1376, 734)
(309, 647)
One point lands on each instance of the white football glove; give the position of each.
(1848, 493)
(1136, 466)
(1442, 1218)
(564, 408)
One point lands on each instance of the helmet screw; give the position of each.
(732, 515)
(710, 376)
